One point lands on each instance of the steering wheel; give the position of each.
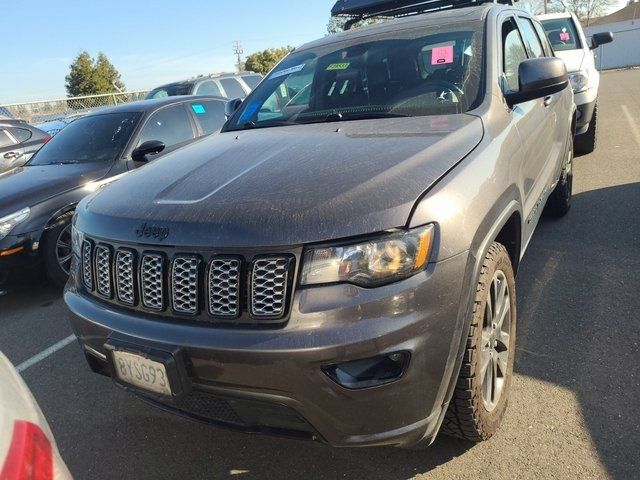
(435, 85)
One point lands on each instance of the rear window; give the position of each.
(92, 139)
(171, 90)
(21, 134)
(208, 88)
(5, 140)
(562, 34)
(233, 88)
(252, 80)
(210, 115)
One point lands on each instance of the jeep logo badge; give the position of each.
(152, 231)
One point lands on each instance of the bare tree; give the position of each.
(585, 10)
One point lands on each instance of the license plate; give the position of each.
(141, 372)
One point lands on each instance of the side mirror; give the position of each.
(539, 77)
(600, 39)
(150, 147)
(231, 106)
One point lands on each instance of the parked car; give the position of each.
(343, 270)
(228, 85)
(18, 142)
(38, 199)
(54, 126)
(27, 447)
(570, 44)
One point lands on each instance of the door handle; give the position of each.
(548, 100)
(12, 155)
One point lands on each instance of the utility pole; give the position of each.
(237, 49)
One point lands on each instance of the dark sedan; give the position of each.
(38, 199)
(18, 142)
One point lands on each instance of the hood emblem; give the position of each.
(152, 231)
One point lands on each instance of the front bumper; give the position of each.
(280, 371)
(19, 251)
(585, 105)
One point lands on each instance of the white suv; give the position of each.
(570, 44)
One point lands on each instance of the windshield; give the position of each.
(562, 34)
(172, 90)
(96, 138)
(414, 75)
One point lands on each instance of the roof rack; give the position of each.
(359, 10)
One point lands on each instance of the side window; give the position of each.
(543, 38)
(210, 115)
(252, 80)
(513, 52)
(531, 37)
(233, 88)
(208, 88)
(5, 140)
(21, 134)
(171, 125)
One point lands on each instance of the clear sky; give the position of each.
(149, 41)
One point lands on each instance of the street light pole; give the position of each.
(237, 49)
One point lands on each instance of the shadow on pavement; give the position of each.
(579, 317)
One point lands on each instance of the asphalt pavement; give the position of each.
(575, 401)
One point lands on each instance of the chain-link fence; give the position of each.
(65, 110)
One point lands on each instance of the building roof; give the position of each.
(630, 12)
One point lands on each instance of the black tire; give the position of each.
(50, 248)
(588, 141)
(468, 416)
(559, 202)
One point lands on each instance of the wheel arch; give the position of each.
(506, 227)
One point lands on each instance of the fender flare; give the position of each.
(472, 274)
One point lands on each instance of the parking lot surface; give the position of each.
(575, 402)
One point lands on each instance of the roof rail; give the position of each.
(359, 10)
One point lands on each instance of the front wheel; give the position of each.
(58, 251)
(480, 398)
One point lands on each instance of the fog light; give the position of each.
(369, 372)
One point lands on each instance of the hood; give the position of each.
(29, 185)
(573, 59)
(285, 186)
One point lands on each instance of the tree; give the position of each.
(92, 77)
(262, 62)
(336, 24)
(80, 78)
(107, 78)
(585, 10)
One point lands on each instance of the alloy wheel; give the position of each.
(494, 354)
(64, 252)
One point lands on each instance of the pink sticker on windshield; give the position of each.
(564, 36)
(442, 55)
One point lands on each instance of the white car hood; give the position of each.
(573, 59)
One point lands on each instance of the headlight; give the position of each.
(369, 264)
(579, 81)
(77, 237)
(10, 221)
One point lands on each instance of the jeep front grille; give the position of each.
(152, 276)
(103, 270)
(87, 267)
(208, 288)
(224, 287)
(269, 286)
(125, 277)
(184, 285)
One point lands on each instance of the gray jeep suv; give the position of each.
(339, 263)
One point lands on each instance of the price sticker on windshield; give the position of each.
(442, 55)
(338, 66)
